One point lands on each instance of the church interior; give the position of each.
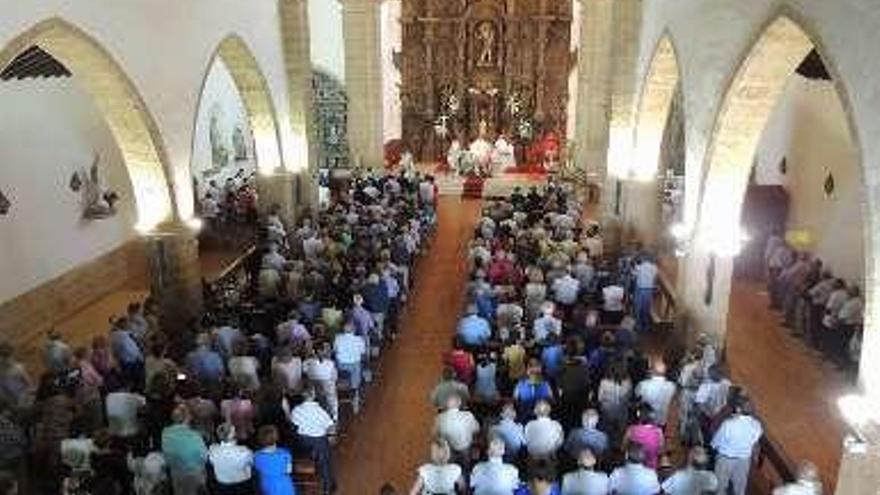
(543, 247)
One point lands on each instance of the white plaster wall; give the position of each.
(50, 129)
(165, 47)
(712, 38)
(328, 45)
(392, 39)
(221, 96)
(809, 127)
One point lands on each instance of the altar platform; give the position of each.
(498, 186)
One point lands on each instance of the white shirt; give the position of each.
(122, 413)
(457, 427)
(737, 436)
(232, 462)
(690, 481)
(566, 289)
(544, 436)
(585, 482)
(634, 479)
(646, 275)
(349, 348)
(311, 420)
(439, 479)
(712, 396)
(320, 371)
(426, 192)
(657, 392)
(244, 368)
(545, 325)
(494, 477)
(612, 296)
(851, 311)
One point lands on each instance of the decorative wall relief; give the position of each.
(97, 202)
(331, 120)
(5, 204)
(829, 186)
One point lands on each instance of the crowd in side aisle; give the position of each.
(229, 403)
(826, 311)
(547, 389)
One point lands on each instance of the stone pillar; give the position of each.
(279, 188)
(295, 38)
(175, 275)
(363, 80)
(594, 90)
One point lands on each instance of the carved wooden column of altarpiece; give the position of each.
(483, 66)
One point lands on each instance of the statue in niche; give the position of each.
(5, 204)
(219, 151)
(486, 37)
(97, 203)
(240, 144)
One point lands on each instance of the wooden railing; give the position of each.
(665, 308)
(234, 282)
(772, 468)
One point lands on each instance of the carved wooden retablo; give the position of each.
(500, 66)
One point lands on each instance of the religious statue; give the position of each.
(486, 35)
(97, 202)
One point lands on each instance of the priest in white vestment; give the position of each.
(504, 156)
(454, 157)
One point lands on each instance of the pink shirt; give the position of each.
(650, 438)
(239, 412)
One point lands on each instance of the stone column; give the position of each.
(175, 275)
(295, 38)
(594, 91)
(279, 189)
(363, 80)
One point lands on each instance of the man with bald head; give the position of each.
(494, 476)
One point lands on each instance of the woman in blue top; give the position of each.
(273, 465)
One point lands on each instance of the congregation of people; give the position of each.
(825, 310)
(227, 404)
(551, 386)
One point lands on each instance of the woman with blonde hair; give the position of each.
(440, 476)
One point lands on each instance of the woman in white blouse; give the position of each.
(440, 476)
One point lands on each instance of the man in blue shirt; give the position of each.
(204, 363)
(474, 330)
(128, 354)
(588, 436)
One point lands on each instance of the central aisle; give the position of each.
(389, 439)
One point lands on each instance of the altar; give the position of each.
(489, 75)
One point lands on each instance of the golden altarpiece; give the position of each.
(482, 67)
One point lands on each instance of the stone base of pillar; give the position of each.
(859, 473)
(175, 276)
(278, 189)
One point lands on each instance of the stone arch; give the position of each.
(748, 101)
(257, 100)
(747, 104)
(658, 91)
(115, 95)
